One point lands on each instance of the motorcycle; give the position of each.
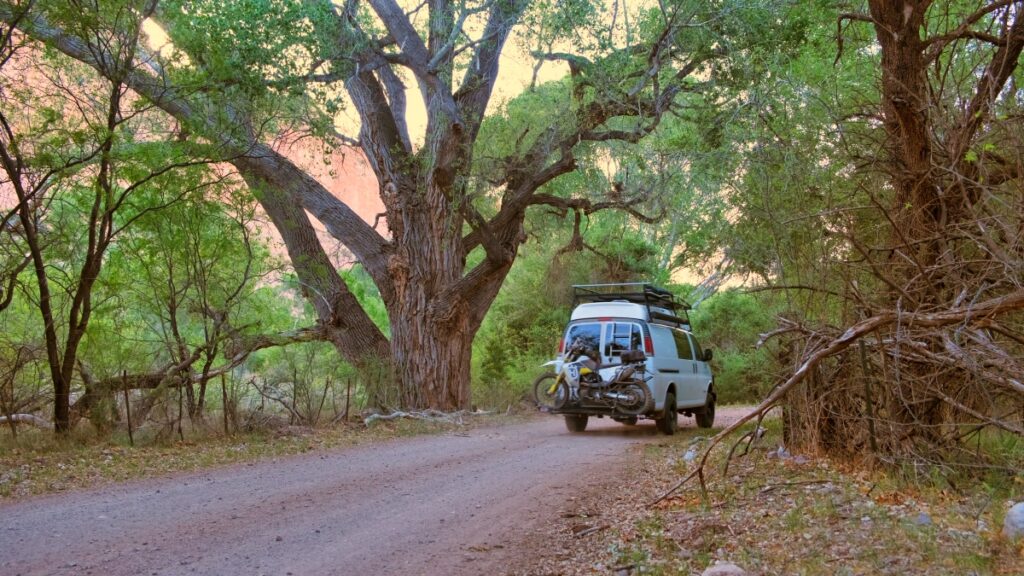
(576, 384)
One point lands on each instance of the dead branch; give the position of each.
(992, 421)
(27, 419)
(791, 327)
(426, 415)
(269, 394)
(589, 531)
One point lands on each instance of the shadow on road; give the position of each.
(643, 429)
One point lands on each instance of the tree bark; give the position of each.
(432, 362)
(906, 108)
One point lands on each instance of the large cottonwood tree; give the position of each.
(241, 66)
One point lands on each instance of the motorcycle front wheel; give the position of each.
(548, 392)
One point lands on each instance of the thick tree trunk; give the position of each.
(917, 205)
(917, 208)
(933, 260)
(431, 335)
(432, 362)
(433, 325)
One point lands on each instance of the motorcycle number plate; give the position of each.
(573, 371)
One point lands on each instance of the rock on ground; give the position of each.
(724, 569)
(1013, 526)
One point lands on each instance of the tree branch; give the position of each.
(936, 44)
(852, 17)
(417, 56)
(478, 82)
(587, 206)
(1002, 66)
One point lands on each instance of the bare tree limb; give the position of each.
(27, 419)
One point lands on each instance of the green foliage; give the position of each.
(730, 322)
(365, 291)
(255, 57)
(255, 44)
(795, 179)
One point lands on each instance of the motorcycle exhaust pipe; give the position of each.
(619, 396)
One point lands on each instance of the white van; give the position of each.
(615, 318)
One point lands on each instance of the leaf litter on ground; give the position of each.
(777, 513)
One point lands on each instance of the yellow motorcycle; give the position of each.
(575, 385)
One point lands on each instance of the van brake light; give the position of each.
(561, 343)
(649, 346)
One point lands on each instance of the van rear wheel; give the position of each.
(668, 423)
(576, 422)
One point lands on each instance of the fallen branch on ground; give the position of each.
(27, 419)
(429, 415)
(589, 531)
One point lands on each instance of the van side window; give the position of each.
(697, 350)
(682, 345)
(624, 337)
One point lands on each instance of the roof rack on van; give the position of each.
(662, 306)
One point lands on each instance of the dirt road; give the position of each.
(461, 503)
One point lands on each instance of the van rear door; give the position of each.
(620, 336)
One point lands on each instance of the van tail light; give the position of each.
(649, 346)
(561, 342)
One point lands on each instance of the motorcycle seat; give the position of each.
(632, 356)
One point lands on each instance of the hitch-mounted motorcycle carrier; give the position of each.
(595, 411)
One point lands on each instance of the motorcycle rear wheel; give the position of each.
(549, 395)
(641, 401)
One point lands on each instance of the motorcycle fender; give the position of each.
(557, 364)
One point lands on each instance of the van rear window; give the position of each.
(624, 336)
(589, 332)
